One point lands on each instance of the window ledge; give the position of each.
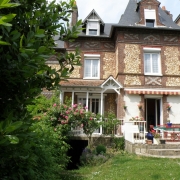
(153, 74)
(91, 78)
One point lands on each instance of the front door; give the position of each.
(152, 111)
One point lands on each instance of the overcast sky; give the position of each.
(110, 11)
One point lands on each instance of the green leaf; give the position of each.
(4, 43)
(41, 49)
(13, 139)
(40, 33)
(12, 127)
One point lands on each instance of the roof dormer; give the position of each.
(149, 14)
(93, 24)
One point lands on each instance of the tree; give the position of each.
(4, 19)
(24, 74)
(23, 70)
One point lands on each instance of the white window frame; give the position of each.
(150, 14)
(153, 51)
(89, 28)
(92, 57)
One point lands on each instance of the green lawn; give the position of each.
(129, 167)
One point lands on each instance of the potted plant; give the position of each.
(139, 106)
(169, 124)
(168, 107)
(125, 107)
(156, 138)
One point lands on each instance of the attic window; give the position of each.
(93, 27)
(150, 17)
(149, 22)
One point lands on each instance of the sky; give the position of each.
(110, 11)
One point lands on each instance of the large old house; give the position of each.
(134, 62)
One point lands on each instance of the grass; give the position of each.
(128, 167)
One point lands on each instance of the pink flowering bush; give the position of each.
(76, 115)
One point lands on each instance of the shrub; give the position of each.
(100, 149)
(119, 143)
(90, 158)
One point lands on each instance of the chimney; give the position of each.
(74, 16)
(163, 8)
(167, 12)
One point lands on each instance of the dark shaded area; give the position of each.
(75, 152)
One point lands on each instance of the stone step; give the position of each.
(164, 152)
(156, 156)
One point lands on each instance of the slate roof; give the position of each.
(59, 43)
(131, 17)
(177, 18)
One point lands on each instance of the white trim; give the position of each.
(149, 49)
(91, 55)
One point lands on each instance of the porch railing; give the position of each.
(135, 131)
(115, 130)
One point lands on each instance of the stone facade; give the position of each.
(109, 65)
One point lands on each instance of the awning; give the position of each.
(154, 92)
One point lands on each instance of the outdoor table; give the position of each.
(173, 131)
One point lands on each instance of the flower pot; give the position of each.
(169, 124)
(156, 141)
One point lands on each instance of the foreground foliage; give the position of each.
(31, 149)
(125, 166)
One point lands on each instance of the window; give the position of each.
(150, 17)
(149, 22)
(92, 31)
(91, 66)
(92, 27)
(152, 62)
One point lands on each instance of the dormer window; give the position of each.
(93, 27)
(149, 22)
(150, 17)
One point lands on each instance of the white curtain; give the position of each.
(91, 68)
(151, 63)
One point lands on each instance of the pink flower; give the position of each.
(70, 108)
(66, 117)
(75, 113)
(54, 104)
(67, 112)
(85, 107)
(90, 118)
(74, 105)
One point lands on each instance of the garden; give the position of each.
(123, 166)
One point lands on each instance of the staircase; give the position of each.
(168, 150)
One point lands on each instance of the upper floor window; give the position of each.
(150, 17)
(149, 22)
(92, 66)
(152, 63)
(93, 27)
